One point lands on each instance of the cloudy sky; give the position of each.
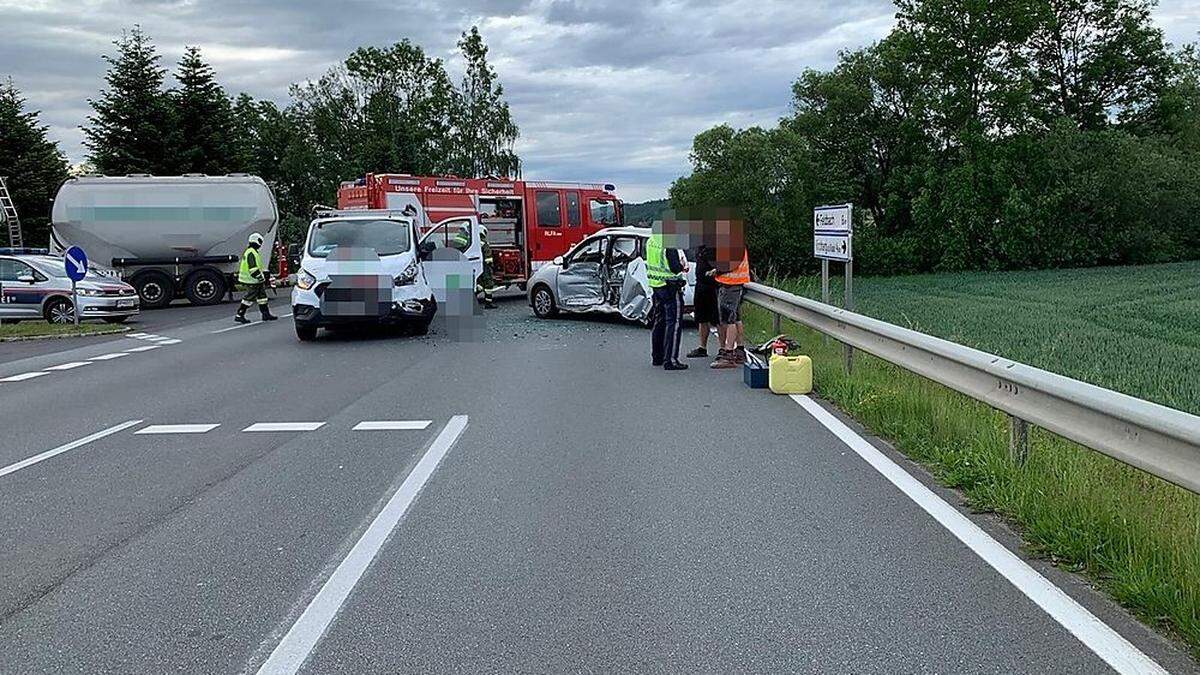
(602, 90)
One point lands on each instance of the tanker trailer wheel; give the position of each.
(155, 289)
(204, 287)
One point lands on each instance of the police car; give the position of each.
(34, 286)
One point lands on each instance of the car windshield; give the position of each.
(53, 267)
(387, 237)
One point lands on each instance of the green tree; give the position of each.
(31, 162)
(131, 129)
(1089, 57)
(484, 131)
(203, 119)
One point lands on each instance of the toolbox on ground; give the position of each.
(790, 374)
(754, 373)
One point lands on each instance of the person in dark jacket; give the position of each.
(705, 303)
(665, 271)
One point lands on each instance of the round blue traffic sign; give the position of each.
(76, 262)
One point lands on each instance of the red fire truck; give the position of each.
(528, 222)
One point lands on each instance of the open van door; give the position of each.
(461, 234)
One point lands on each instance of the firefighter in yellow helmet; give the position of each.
(252, 275)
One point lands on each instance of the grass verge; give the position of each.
(1136, 536)
(35, 329)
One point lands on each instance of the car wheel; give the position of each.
(306, 333)
(60, 311)
(155, 289)
(115, 319)
(543, 303)
(204, 287)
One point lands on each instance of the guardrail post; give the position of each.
(1018, 439)
(777, 324)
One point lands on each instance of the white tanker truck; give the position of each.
(167, 236)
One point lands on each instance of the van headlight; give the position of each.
(408, 276)
(305, 281)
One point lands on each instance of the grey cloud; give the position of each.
(601, 90)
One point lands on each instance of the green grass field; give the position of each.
(1136, 330)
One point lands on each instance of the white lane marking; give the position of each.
(284, 316)
(108, 357)
(302, 637)
(70, 366)
(24, 376)
(158, 338)
(143, 348)
(177, 429)
(139, 335)
(1096, 635)
(67, 447)
(226, 330)
(169, 342)
(284, 426)
(385, 425)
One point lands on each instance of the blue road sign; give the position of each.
(76, 262)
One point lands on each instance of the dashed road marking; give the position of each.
(295, 646)
(67, 447)
(169, 342)
(284, 426)
(24, 376)
(70, 366)
(177, 429)
(143, 348)
(391, 425)
(108, 357)
(226, 330)
(138, 335)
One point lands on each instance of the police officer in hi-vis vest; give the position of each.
(252, 276)
(665, 270)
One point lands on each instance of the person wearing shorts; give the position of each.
(704, 303)
(729, 315)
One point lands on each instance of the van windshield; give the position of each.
(387, 237)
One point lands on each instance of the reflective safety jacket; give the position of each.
(658, 271)
(251, 270)
(737, 276)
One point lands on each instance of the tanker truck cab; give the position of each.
(361, 268)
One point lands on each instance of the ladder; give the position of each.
(9, 212)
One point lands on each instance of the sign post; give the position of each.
(76, 263)
(833, 240)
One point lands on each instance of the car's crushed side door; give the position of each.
(581, 280)
(635, 292)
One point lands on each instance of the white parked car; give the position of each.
(361, 268)
(604, 273)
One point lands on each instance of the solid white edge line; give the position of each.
(291, 652)
(284, 426)
(1096, 635)
(392, 425)
(70, 366)
(24, 376)
(67, 447)
(177, 429)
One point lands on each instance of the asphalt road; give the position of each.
(566, 508)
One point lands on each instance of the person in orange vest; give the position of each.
(730, 286)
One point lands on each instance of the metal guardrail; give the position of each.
(1160, 440)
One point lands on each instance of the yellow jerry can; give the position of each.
(790, 374)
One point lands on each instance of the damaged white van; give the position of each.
(604, 273)
(361, 268)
